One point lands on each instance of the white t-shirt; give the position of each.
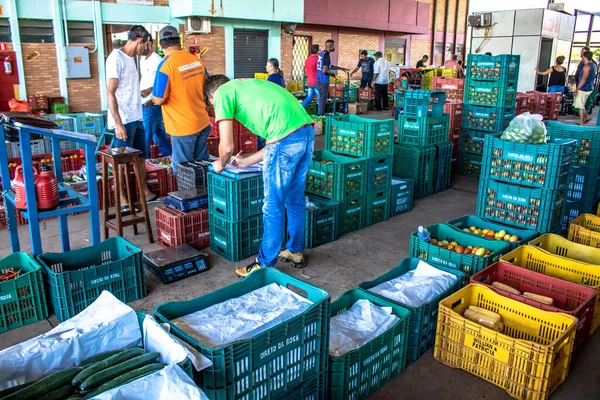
(122, 67)
(382, 67)
(148, 68)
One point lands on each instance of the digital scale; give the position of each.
(175, 263)
(187, 200)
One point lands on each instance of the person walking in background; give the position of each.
(454, 64)
(558, 76)
(275, 73)
(324, 71)
(422, 62)
(152, 113)
(381, 81)
(582, 63)
(585, 86)
(310, 69)
(125, 103)
(366, 64)
(179, 89)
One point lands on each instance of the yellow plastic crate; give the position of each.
(598, 211)
(558, 245)
(449, 73)
(261, 75)
(529, 359)
(585, 230)
(539, 260)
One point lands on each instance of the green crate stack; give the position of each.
(359, 137)
(377, 207)
(443, 166)
(322, 222)
(416, 163)
(401, 196)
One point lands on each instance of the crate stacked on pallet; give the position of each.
(489, 104)
(423, 146)
(583, 189)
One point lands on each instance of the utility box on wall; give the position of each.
(78, 62)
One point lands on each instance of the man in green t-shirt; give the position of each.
(273, 113)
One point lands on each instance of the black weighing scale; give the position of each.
(175, 263)
(187, 200)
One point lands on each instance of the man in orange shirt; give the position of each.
(179, 89)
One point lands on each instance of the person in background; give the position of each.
(460, 62)
(454, 64)
(324, 71)
(125, 103)
(275, 74)
(310, 69)
(365, 63)
(381, 80)
(179, 89)
(558, 76)
(581, 63)
(422, 62)
(585, 86)
(152, 113)
(289, 133)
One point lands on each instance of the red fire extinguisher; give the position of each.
(46, 188)
(8, 66)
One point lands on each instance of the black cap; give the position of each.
(364, 52)
(378, 54)
(168, 32)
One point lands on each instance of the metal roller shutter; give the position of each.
(250, 51)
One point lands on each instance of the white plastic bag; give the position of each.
(526, 128)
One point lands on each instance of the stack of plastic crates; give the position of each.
(423, 142)
(584, 180)
(522, 103)
(489, 104)
(243, 139)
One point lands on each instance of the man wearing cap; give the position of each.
(366, 65)
(381, 81)
(179, 89)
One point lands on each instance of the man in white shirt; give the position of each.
(381, 81)
(152, 113)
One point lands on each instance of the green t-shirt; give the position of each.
(267, 109)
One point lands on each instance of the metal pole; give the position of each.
(61, 57)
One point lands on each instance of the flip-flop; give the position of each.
(155, 198)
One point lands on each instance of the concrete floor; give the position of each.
(337, 267)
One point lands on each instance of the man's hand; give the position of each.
(120, 132)
(218, 166)
(241, 161)
(146, 92)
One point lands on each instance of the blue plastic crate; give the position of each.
(421, 103)
(443, 166)
(491, 94)
(584, 185)
(488, 119)
(401, 196)
(503, 67)
(379, 172)
(89, 123)
(588, 141)
(63, 122)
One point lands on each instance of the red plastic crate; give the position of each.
(72, 160)
(571, 298)
(553, 101)
(522, 104)
(214, 130)
(239, 129)
(365, 94)
(537, 102)
(157, 180)
(154, 151)
(171, 182)
(174, 227)
(454, 109)
(247, 144)
(212, 143)
(454, 137)
(454, 87)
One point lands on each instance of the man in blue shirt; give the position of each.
(366, 65)
(585, 85)
(324, 71)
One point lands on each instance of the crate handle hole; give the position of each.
(484, 278)
(297, 290)
(457, 303)
(129, 249)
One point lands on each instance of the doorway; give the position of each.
(544, 63)
(250, 52)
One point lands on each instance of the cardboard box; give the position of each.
(357, 108)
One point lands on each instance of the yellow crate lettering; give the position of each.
(490, 349)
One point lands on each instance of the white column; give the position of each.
(61, 56)
(11, 6)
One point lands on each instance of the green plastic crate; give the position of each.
(491, 94)
(443, 166)
(338, 177)
(356, 136)
(401, 196)
(467, 263)
(359, 373)
(466, 221)
(314, 388)
(22, 299)
(503, 67)
(572, 210)
(588, 141)
(584, 184)
(77, 277)
(469, 165)
(235, 199)
(423, 131)
(312, 108)
(416, 163)
(270, 363)
(59, 108)
(423, 319)
(237, 240)
(377, 207)
(352, 215)
(420, 103)
(323, 223)
(519, 206)
(489, 119)
(472, 141)
(380, 172)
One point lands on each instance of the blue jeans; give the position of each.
(323, 88)
(284, 175)
(365, 81)
(136, 138)
(556, 89)
(312, 92)
(155, 130)
(190, 148)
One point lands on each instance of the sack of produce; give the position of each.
(526, 128)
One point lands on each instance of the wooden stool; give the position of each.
(117, 157)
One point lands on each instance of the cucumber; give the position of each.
(45, 385)
(13, 389)
(97, 358)
(107, 362)
(111, 373)
(125, 378)
(60, 393)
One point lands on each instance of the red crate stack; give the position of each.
(552, 106)
(154, 151)
(214, 130)
(72, 160)
(174, 227)
(454, 109)
(156, 178)
(212, 143)
(537, 102)
(247, 143)
(365, 94)
(454, 87)
(522, 103)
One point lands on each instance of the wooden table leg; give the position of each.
(118, 188)
(130, 196)
(143, 203)
(105, 195)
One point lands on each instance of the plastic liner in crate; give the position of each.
(401, 196)
(420, 103)
(572, 210)
(522, 207)
(377, 207)
(322, 223)
(472, 141)
(192, 175)
(380, 172)
(469, 164)
(489, 119)
(416, 163)
(529, 359)
(584, 185)
(569, 298)
(585, 230)
(535, 165)
(443, 166)
(335, 176)
(269, 364)
(468, 263)
(77, 277)
(503, 67)
(491, 94)
(362, 137)
(187, 200)
(352, 215)
(359, 373)
(235, 240)
(466, 222)
(22, 297)
(588, 141)
(235, 199)
(423, 319)
(423, 131)
(174, 227)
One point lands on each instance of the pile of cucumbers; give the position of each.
(93, 376)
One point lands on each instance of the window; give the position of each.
(4, 30)
(80, 32)
(36, 31)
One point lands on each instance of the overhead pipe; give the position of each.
(65, 26)
(94, 25)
